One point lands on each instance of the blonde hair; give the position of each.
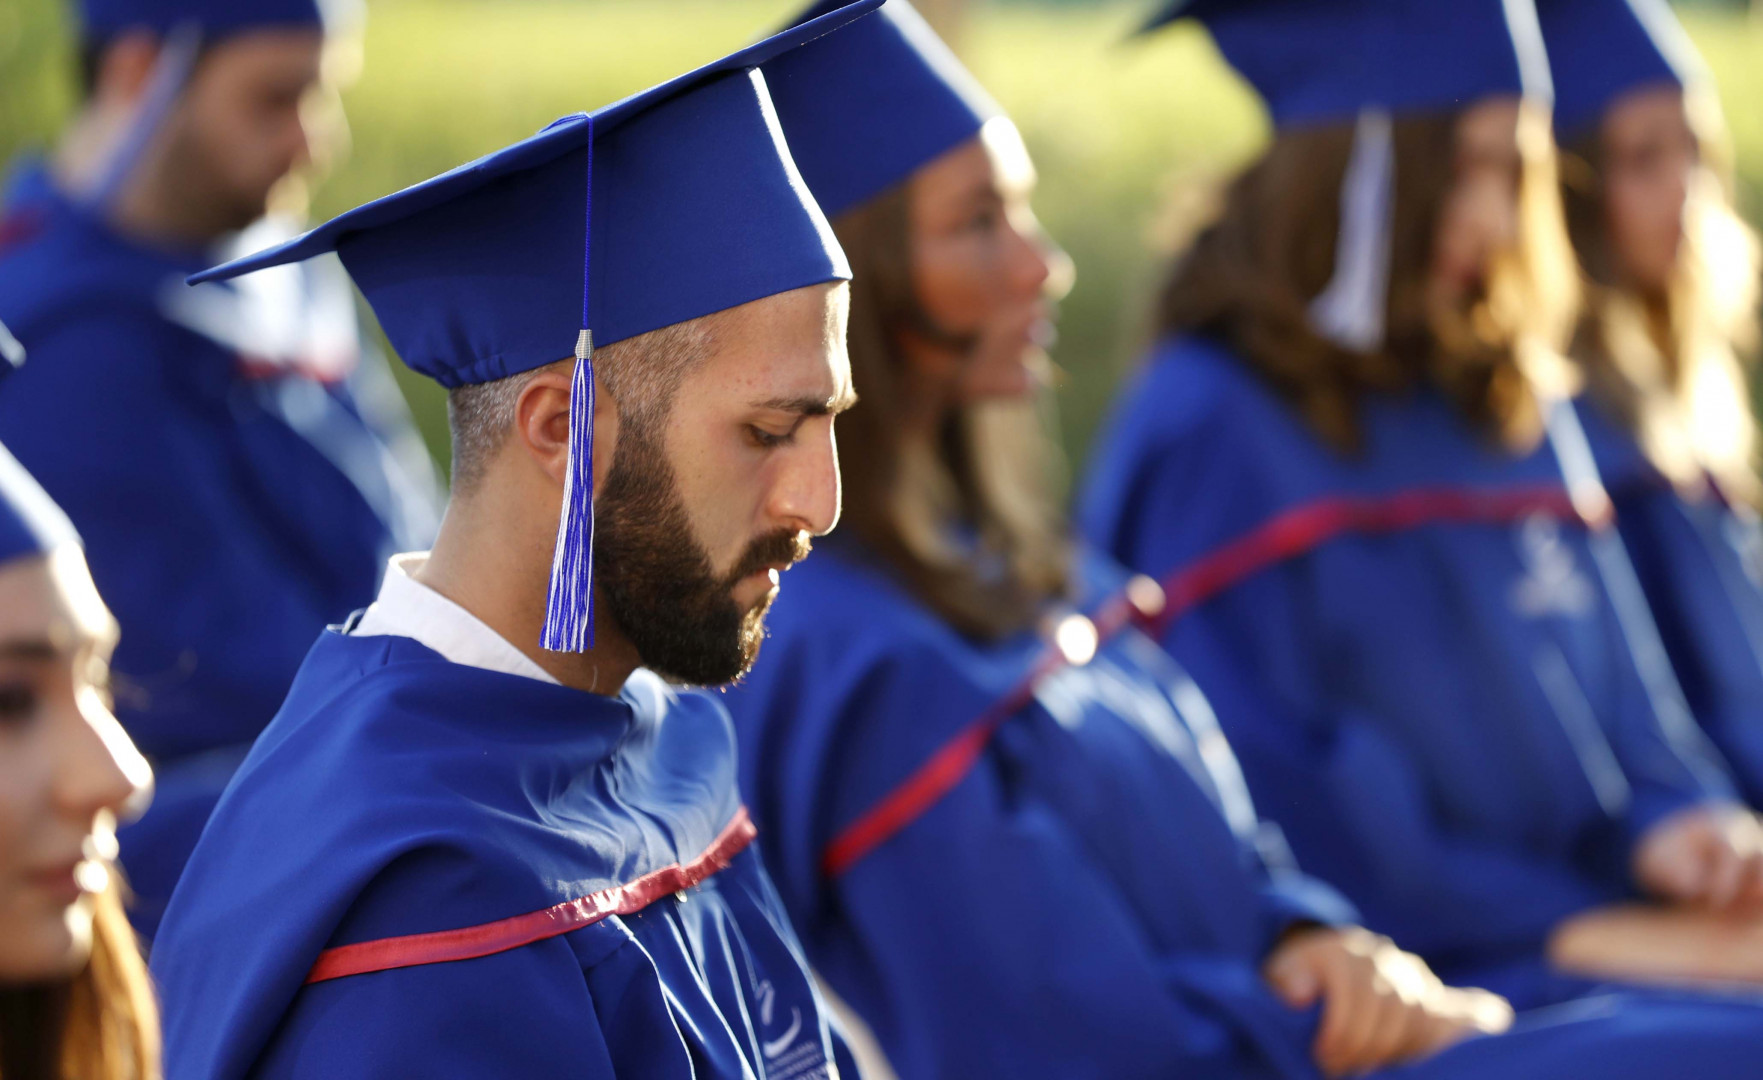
(1669, 367)
(102, 1024)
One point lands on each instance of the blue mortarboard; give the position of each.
(1321, 61)
(101, 19)
(11, 352)
(1602, 49)
(30, 522)
(865, 110)
(671, 204)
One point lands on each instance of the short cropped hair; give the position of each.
(642, 373)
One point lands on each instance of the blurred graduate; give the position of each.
(485, 836)
(1005, 821)
(1349, 461)
(1671, 288)
(75, 1002)
(239, 470)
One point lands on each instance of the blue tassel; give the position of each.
(569, 606)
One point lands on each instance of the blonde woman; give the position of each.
(1671, 276)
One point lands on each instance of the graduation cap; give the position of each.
(11, 352)
(102, 19)
(30, 522)
(1600, 50)
(671, 204)
(1319, 61)
(867, 108)
(1360, 61)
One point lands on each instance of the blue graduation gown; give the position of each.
(1076, 890)
(429, 869)
(229, 511)
(1472, 724)
(1699, 559)
(1016, 866)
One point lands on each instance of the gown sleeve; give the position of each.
(986, 890)
(1669, 761)
(1694, 563)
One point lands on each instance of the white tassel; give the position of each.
(1350, 310)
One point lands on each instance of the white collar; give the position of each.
(408, 608)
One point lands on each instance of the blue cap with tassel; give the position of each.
(669, 205)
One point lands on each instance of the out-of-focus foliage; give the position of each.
(1120, 130)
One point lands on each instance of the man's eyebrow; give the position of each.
(813, 406)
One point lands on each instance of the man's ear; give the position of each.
(541, 422)
(125, 69)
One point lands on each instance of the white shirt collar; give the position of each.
(408, 608)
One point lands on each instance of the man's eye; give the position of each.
(767, 440)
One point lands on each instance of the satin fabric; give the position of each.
(1472, 722)
(399, 794)
(1699, 558)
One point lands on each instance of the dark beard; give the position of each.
(657, 581)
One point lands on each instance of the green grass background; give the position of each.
(1119, 131)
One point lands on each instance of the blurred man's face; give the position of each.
(238, 128)
(704, 509)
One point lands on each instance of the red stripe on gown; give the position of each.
(502, 935)
(1286, 536)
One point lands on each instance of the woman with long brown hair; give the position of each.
(74, 998)
(1005, 823)
(1349, 459)
(1671, 287)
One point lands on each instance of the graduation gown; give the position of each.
(230, 507)
(429, 869)
(1472, 719)
(1013, 861)
(1699, 559)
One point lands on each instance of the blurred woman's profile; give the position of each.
(75, 1001)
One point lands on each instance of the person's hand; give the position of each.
(1708, 856)
(1647, 943)
(1380, 1005)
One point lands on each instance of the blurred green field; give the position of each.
(1118, 130)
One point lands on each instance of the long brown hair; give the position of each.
(970, 527)
(1249, 276)
(102, 1024)
(1668, 367)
